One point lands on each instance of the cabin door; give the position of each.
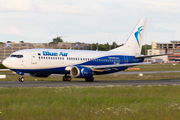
(33, 57)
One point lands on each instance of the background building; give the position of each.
(170, 47)
(156, 51)
(175, 56)
(163, 48)
(8, 48)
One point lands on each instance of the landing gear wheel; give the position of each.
(90, 79)
(21, 79)
(66, 78)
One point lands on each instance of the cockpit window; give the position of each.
(17, 56)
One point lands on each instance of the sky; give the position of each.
(90, 21)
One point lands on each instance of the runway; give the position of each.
(83, 83)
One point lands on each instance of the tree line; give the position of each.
(96, 46)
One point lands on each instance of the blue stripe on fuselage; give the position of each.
(116, 59)
(106, 60)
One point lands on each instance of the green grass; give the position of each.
(157, 67)
(2, 66)
(91, 103)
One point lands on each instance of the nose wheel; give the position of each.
(21, 79)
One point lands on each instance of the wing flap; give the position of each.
(117, 65)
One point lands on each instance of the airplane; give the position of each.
(79, 63)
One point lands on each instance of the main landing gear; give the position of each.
(66, 78)
(90, 79)
(21, 79)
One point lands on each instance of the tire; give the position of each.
(68, 78)
(21, 79)
(64, 78)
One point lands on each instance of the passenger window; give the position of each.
(17, 56)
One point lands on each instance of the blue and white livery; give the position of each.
(79, 63)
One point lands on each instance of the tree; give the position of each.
(143, 49)
(21, 41)
(114, 45)
(103, 47)
(56, 40)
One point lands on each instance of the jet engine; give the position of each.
(81, 72)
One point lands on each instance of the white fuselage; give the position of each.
(53, 58)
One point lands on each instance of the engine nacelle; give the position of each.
(81, 72)
(39, 75)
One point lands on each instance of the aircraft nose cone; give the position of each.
(6, 63)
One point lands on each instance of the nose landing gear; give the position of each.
(21, 79)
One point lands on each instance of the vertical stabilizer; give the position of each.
(134, 42)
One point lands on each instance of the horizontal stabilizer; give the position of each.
(147, 56)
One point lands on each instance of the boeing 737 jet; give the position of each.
(79, 63)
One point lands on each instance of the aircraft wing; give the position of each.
(117, 65)
(106, 67)
(146, 56)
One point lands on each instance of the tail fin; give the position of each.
(134, 42)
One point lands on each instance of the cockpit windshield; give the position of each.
(17, 56)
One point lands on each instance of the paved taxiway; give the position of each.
(83, 83)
